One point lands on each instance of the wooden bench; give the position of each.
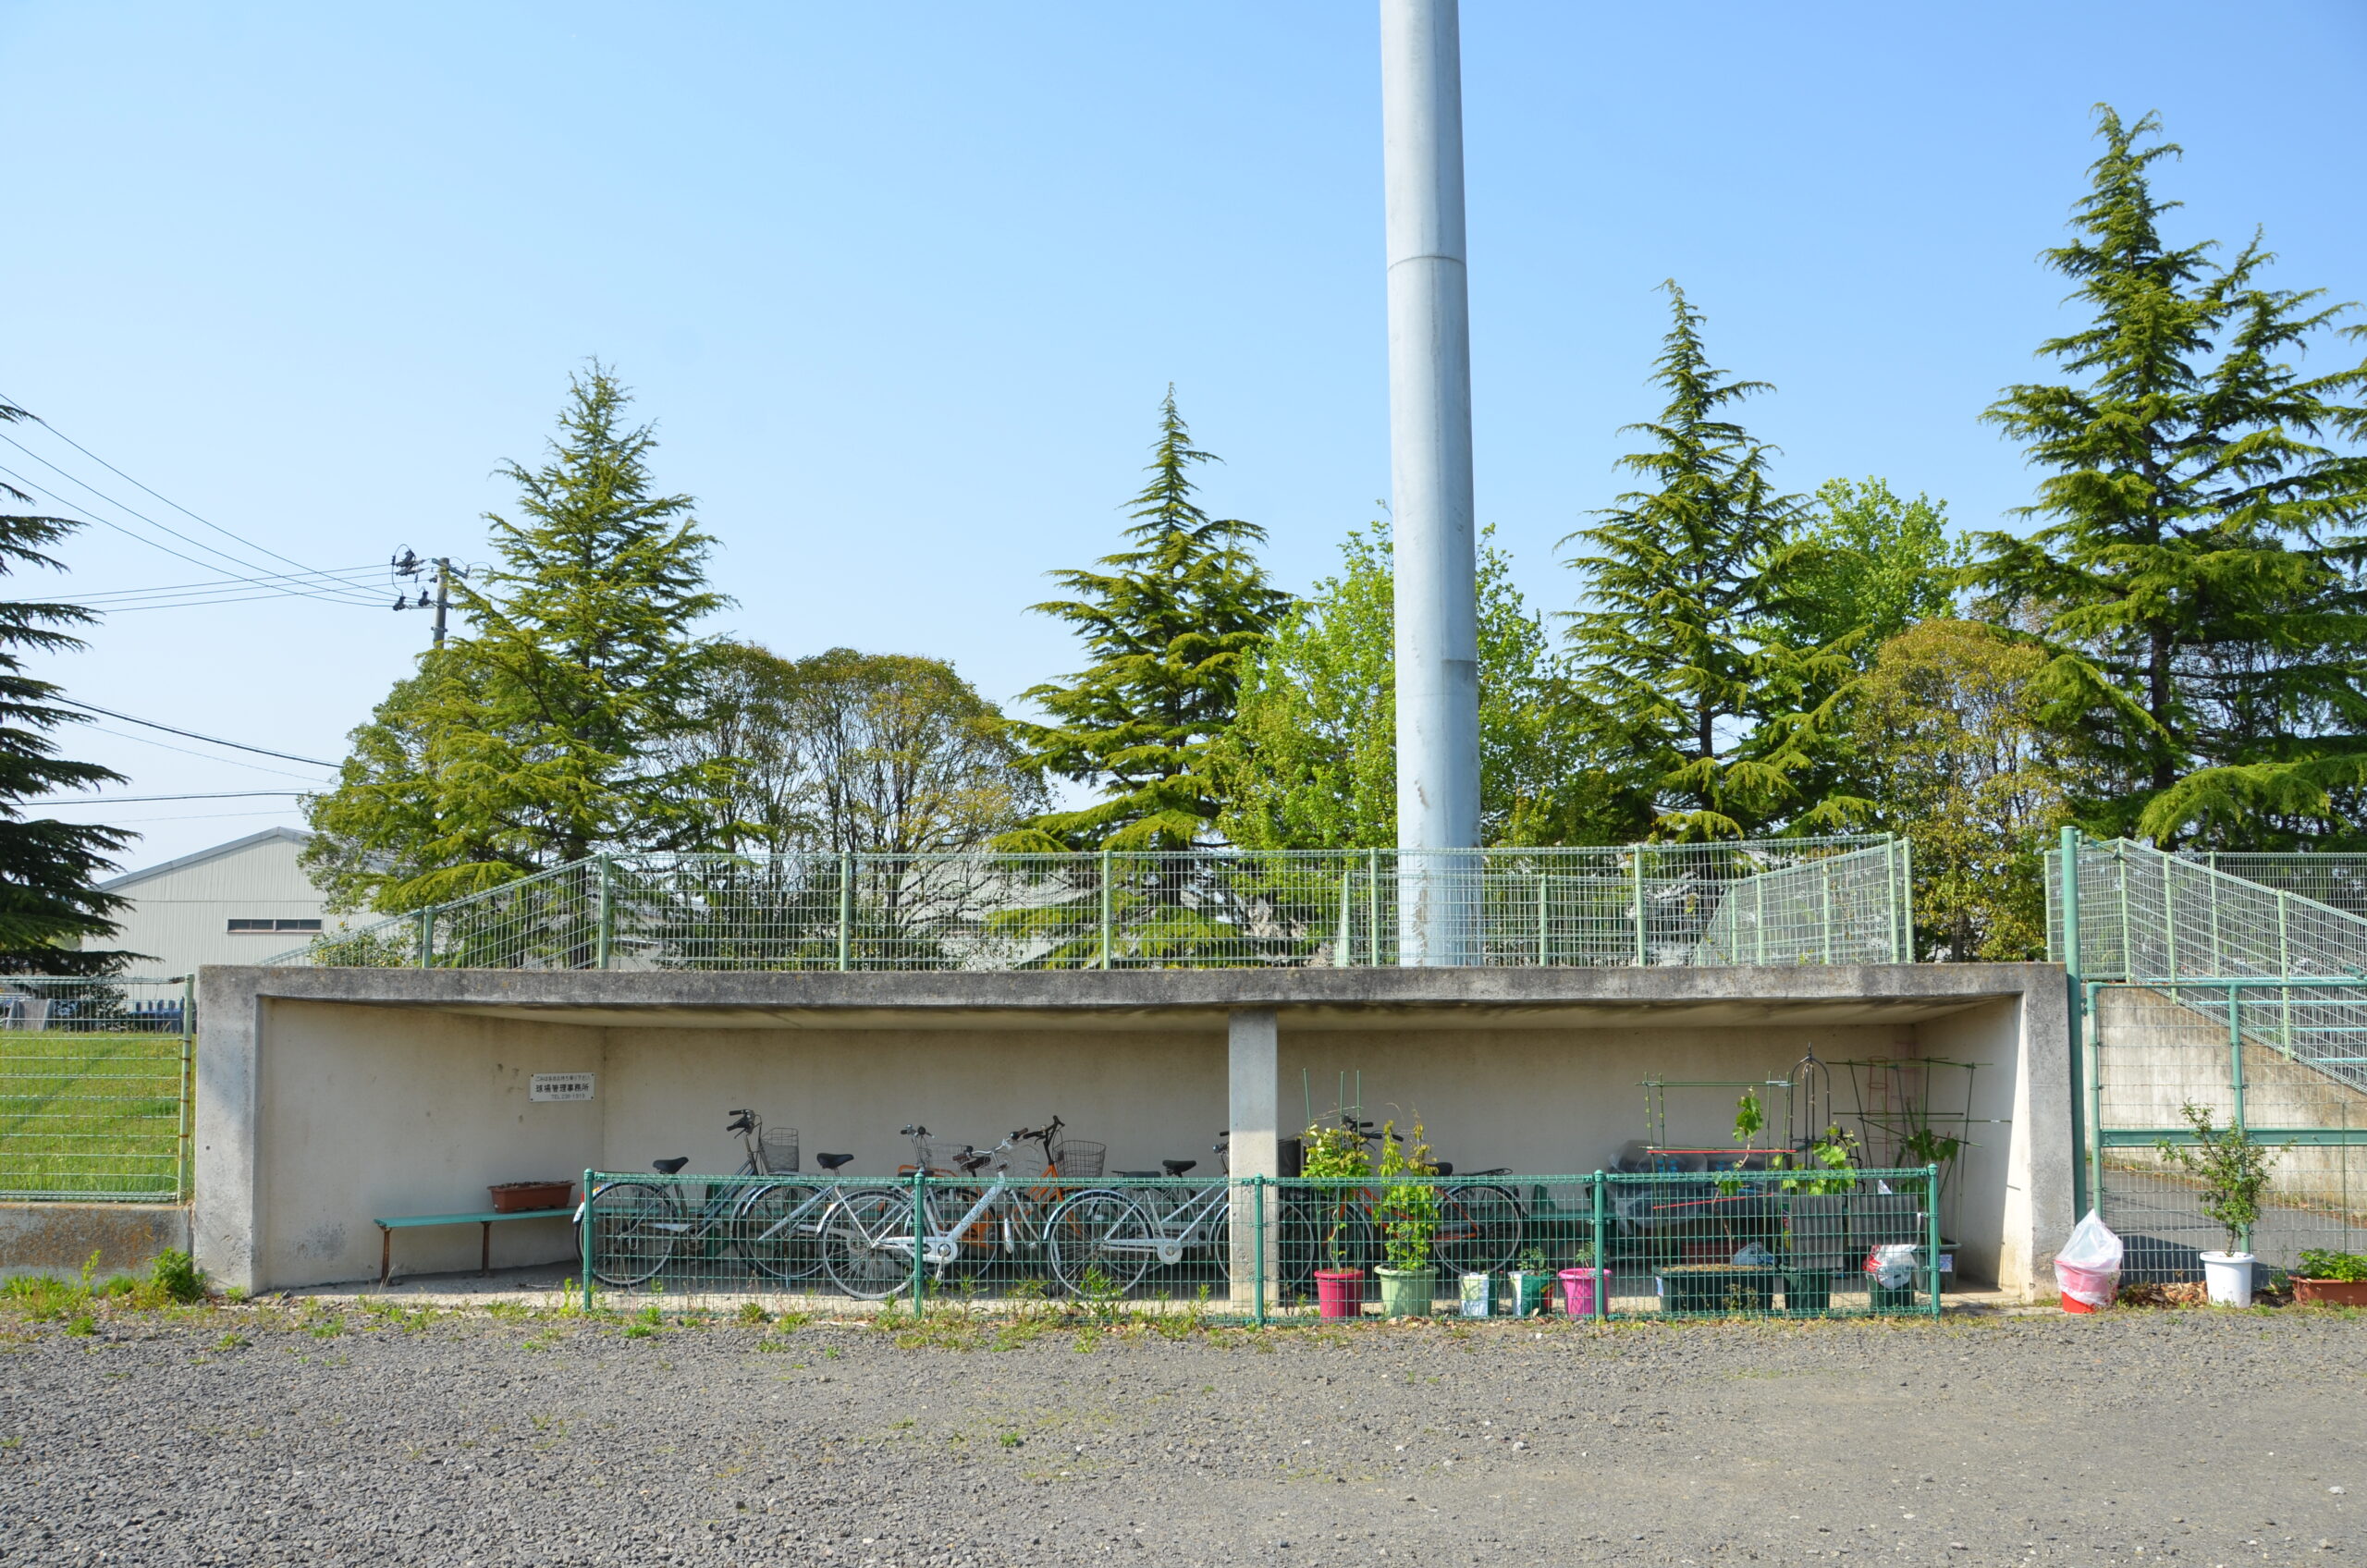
(387, 1226)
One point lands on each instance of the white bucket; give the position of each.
(2227, 1278)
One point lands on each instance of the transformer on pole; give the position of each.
(1429, 446)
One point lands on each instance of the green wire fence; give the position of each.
(1841, 899)
(94, 1089)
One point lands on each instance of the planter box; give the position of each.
(1808, 1290)
(522, 1197)
(1405, 1292)
(1716, 1289)
(2331, 1293)
(1530, 1293)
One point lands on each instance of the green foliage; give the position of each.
(1948, 746)
(543, 735)
(49, 900)
(2231, 1167)
(2351, 1268)
(1865, 566)
(176, 1277)
(1168, 624)
(1750, 1118)
(1310, 760)
(2197, 572)
(1679, 666)
(1833, 1151)
(1408, 1210)
(1335, 1154)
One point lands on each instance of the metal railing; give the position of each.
(1728, 1243)
(94, 1089)
(2338, 880)
(1789, 901)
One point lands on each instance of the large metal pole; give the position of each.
(1430, 441)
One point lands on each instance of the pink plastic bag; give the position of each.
(2088, 1268)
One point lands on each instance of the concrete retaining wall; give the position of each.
(59, 1238)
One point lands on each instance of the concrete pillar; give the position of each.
(1254, 1092)
(225, 1228)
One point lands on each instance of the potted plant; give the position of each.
(1815, 1235)
(1408, 1212)
(1532, 1284)
(1336, 1156)
(2234, 1173)
(2331, 1278)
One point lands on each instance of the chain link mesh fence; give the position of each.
(94, 1089)
(1795, 901)
(1730, 1243)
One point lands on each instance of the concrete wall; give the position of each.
(60, 1238)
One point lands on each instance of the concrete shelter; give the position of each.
(327, 1097)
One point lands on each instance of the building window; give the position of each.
(267, 928)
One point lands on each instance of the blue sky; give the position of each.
(901, 284)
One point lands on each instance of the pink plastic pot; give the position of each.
(1339, 1293)
(1577, 1292)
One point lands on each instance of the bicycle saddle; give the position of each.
(1177, 1167)
(1443, 1167)
(1494, 1170)
(1134, 1173)
(970, 1163)
(832, 1161)
(669, 1166)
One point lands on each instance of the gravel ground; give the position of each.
(260, 1436)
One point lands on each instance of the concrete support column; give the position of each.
(1254, 1093)
(225, 1229)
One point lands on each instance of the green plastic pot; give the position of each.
(1405, 1292)
(1530, 1293)
(1808, 1290)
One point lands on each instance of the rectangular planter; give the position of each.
(1716, 1290)
(1808, 1290)
(2331, 1293)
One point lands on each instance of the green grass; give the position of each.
(92, 1114)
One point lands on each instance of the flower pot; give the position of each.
(1532, 1291)
(1339, 1293)
(1577, 1292)
(1478, 1295)
(2227, 1278)
(524, 1197)
(1808, 1290)
(2331, 1293)
(1404, 1292)
(1716, 1289)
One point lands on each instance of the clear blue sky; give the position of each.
(901, 284)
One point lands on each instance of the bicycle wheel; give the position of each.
(1479, 1228)
(777, 1229)
(634, 1227)
(1322, 1229)
(867, 1243)
(1084, 1232)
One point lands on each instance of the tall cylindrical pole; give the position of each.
(1429, 443)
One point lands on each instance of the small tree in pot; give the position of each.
(1408, 1212)
(2233, 1171)
(1336, 1156)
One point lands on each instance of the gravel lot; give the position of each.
(260, 1435)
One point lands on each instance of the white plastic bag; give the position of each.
(2089, 1265)
(1753, 1255)
(1892, 1265)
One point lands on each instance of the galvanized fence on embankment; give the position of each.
(1754, 1243)
(1842, 899)
(94, 1089)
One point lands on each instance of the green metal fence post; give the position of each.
(1931, 1216)
(1257, 1234)
(1907, 898)
(427, 937)
(583, 1239)
(1759, 890)
(2067, 869)
(1824, 920)
(1107, 936)
(1602, 1281)
(1543, 918)
(2235, 1051)
(2095, 1100)
(846, 911)
(2285, 994)
(1636, 866)
(607, 919)
(920, 1235)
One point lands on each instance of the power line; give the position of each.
(125, 799)
(341, 575)
(188, 752)
(159, 495)
(192, 734)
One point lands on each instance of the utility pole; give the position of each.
(1429, 452)
(442, 594)
(407, 566)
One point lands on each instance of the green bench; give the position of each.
(487, 1218)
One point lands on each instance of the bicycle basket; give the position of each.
(938, 1155)
(1079, 1158)
(776, 1151)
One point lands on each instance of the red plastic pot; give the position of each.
(1339, 1293)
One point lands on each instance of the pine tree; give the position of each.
(544, 735)
(1167, 624)
(1683, 681)
(49, 903)
(2199, 578)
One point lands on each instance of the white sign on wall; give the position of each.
(560, 1087)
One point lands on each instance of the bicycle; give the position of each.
(867, 1241)
(1104, 1240)
(637, 1226)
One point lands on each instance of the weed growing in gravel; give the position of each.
(177, 1275)
(638, 1330)
(508, 1311)
(83, 1324)
(752, 1313)
(230, 1342)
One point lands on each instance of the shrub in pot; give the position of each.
(1532, 1284)
(2234, 1173)
(2331, 1278)
(1336, 1155)
(1408, 1212)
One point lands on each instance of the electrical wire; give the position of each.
(202, 756)
(190, 734)
(125, 799)
(341, 575)
(193, 517)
